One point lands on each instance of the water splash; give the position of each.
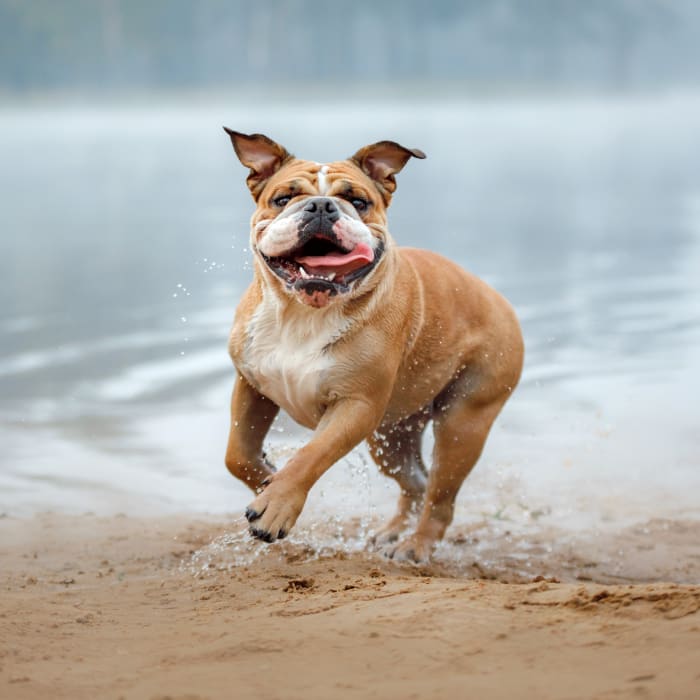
(335, 538)
(211, 265)
(180, 289)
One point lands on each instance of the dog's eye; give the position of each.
(359, 204)
(281, 201)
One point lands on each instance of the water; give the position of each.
(123, 251)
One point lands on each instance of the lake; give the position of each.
(124, 249)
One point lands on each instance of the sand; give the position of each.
(174, 607)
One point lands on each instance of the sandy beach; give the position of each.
(176, 607)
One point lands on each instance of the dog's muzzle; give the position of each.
(317, 217)
(321, 261)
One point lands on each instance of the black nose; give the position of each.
(321, 208)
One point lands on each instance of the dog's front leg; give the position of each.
(251, 417)
(344, 424)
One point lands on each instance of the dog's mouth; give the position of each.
(320, 264)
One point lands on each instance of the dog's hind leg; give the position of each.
(462, 417)
(397, 451)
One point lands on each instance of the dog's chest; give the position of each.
(288, 359)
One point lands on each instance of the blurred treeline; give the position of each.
(139, 44)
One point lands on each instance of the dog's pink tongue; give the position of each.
(339, 263)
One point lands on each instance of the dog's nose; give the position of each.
(323, 208)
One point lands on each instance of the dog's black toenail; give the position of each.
(251, 514)
(281, 534)
(262, 535)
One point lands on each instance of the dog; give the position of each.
(359, 339)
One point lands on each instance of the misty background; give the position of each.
(563, 168)
(104, 45)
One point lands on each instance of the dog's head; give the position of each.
(319, 230)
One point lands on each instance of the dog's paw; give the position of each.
(389, 533)
(273, 513)
(384, 537)
(413, 550)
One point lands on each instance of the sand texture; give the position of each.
(178, 608)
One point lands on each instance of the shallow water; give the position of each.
(123, 251)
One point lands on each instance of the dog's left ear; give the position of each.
(262, 155)
(382, 160)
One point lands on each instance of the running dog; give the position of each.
(359, 339)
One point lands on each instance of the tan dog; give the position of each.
(359, 339)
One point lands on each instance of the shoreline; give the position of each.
(186, 607)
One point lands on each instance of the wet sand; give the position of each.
(176, 607)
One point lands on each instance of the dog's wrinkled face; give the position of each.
(319, 230)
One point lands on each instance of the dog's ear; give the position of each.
(262, 155)
(382, 160)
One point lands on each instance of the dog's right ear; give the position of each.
(262, 155)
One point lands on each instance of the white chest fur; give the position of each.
(288, 355)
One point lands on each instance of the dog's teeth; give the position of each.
(307, 276)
